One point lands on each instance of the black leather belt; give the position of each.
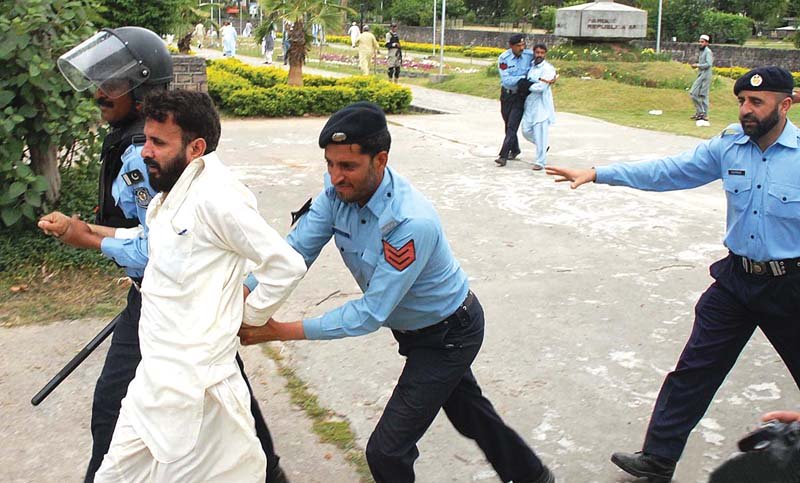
(508, 91)
(136, 282)
(452, 318)
(772, 268)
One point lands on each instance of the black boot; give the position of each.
(644, 465)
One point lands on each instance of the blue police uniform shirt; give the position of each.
(396, 250)
(762, 188)
(513, 69)
(132, 193)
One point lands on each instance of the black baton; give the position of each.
(76, 361)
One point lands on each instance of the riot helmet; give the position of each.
(118, 61)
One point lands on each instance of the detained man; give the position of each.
(186, 416)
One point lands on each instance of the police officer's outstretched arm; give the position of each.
(576, 177)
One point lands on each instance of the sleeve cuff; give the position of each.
(602, 174)
(251, 282)
(111, 247)
(312, 328)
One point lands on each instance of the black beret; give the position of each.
(772, 78)
(515, 39)
(353, 124)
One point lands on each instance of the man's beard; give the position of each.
(702, 47)
(761, 127)
(167, 175)
(538, 60)
(363, 195)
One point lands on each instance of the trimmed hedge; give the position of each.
(423, 47)
(736, 72)
(246, 90)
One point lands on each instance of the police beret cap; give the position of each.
(353, 124)
(772, 78)
(515, 39)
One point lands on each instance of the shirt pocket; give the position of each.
(783, 201)
(737, 190)
(174, 257)
(350, 253)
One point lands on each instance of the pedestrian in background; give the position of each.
(268, 46)
(199, 34)
(702, 85)
(228, 33)
(367, 49)
(353, 32)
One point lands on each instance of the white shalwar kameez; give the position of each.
(540, 111)
(186, 416)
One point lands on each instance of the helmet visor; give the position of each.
(105, 62)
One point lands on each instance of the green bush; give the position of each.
(39, 109)
(23, 246)
(726, 27)
(262, 91)
(546, 18)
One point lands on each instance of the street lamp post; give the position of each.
(441, 45)
(658, 29)
(433, 42)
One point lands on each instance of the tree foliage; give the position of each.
(302, 14)
(160, 16)
(726, 27)
(44, 121)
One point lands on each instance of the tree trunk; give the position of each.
(297, 53)
(44, 162)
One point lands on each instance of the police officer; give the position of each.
(391, 239)
(123, 65)
(513, 65)
(756, 285)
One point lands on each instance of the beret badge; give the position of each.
(338, 137)
(756, 80)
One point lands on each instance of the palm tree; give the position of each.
(300, 14)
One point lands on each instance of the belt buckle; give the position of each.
(759, 268)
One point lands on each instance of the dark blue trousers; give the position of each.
(437, 375)
(512, 107)
(118, 370)
(726, 316)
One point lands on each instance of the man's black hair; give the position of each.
(192, 111)
(373, 145)
(540, 46)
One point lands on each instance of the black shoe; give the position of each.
(643, 465)
(513, 155)
(277, 476)
(702, 117)
(501, 161)
(694, 117)
(547, 476)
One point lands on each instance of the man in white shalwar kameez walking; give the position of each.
(540, 111)
(186, 416)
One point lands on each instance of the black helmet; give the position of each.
(119, 61)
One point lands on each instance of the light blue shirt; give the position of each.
(539, 105)
(762, 188)
(513, 69)
(132, 193)
(403, 295)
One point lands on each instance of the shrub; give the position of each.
(726, 27)
(262, 91)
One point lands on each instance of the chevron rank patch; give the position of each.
(400, 258)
